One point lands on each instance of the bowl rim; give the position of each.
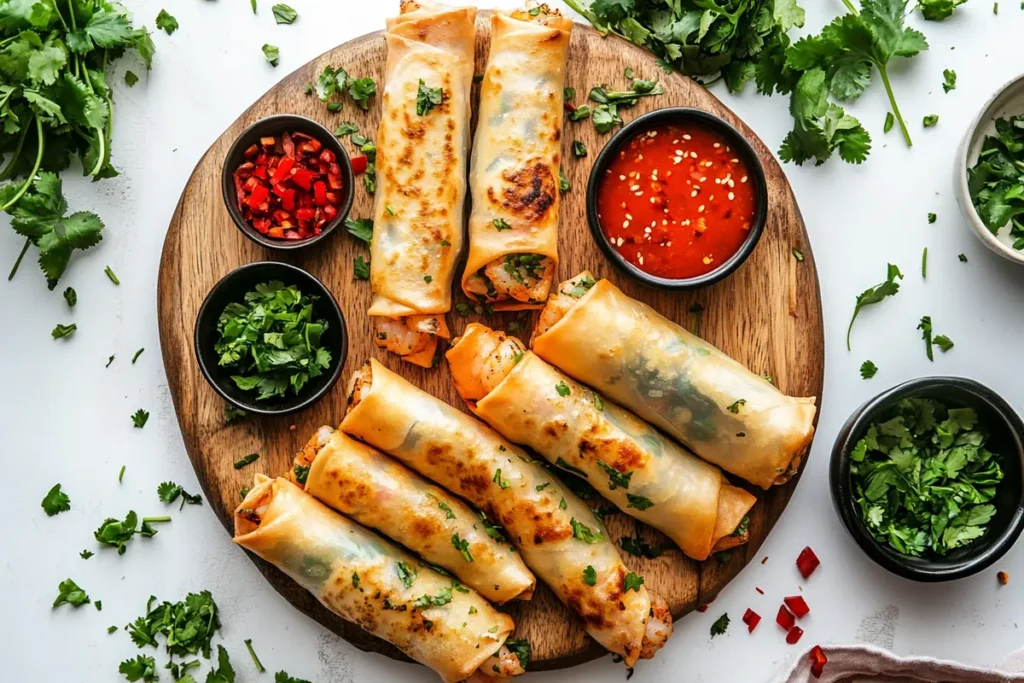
(324, 294)
(321, 133)
(960, 168)
(842, 494)
(744, 150)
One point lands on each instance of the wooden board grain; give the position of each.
(749, 316)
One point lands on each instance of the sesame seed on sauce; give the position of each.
(663, 222)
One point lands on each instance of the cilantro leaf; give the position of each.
(948, 80)
(868, 369)
(140, 417)
(70, 593)
(462, 545)
(590, 575)
(246, 460)
(361, 90)
(142, 668)
(56, 501)
(115, 533)
(427, 98)
(874, 295)
(820, 127)
(361, 228)
(166, 22)
(584, 533)
(360, 269)
(271, 53)
(632, 582)
(224, 673)
(345, 128)
(301, 474)
(937, 10)
(283, 14)
(720, 626)
(63, 331)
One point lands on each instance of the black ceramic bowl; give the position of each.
(232, 288)
(680, 115)
(1006, 437)
(275, 125)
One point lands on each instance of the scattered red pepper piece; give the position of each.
(794, 635)
(1003, 578)
(764, 559)
(785, 618)
(759, 590)
(282, 186)
(797, 605)
(358, 165)
(751, 619)
(702, 608)
(818, 661)
(807, 562)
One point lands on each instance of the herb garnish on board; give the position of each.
(923, 479)
(271, 343)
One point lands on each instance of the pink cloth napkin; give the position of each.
(867, 664)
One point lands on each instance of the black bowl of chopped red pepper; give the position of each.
(677, 199)
(287, 182)
(928, 478)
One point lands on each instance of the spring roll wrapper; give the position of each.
(322, 551)
(582, 429)
(421, 161)
(517, 148)
(463, 455)
(681, 384)
(378, 492)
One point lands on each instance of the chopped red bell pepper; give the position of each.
(751, 619)
(258, 196)
(797, 605)
(319, 193)
(807, 562)
(359, 165)
(304, 178)
(785, 618)
(282, 171)
(327, 156)
(305, 214)
(794, 635)
(818, 661)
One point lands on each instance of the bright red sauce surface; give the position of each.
(677, 202)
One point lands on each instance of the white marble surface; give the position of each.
(65, 418)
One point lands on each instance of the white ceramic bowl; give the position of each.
(1008, 101)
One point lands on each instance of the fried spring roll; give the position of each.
(366, 580)
(645, 474)
(676, 381)
(559, 537)
(378, 492)
(422, 150)
(513, 229)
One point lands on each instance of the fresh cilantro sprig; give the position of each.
(188, 625)
(169, 492)
(56, 501)
(923, 479)
(874, 295)
(69, 592)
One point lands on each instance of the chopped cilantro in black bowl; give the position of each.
(927, 477)
(270, 338)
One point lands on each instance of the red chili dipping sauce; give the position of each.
(677, 201)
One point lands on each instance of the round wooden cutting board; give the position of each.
(767, 315)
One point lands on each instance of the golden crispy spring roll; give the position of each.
(645, 474)
(422, 149)
(560, 538)
(513, 229)
(378, 492)
(366, 580)
(676, 381)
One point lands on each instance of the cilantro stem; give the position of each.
(892, 100)
(255, 659)
(849, 6)
(165, 518)
(28, 241)
(35, 169)
(9, 168)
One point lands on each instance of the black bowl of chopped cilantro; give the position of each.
(270, 338)
(927, 478)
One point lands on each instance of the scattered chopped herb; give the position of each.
(889, 121)
(948, 80)
(109, 361)
(63, 331)
(932, 218)
(271, 53)
(584, 533)
(561, 504)
(246, 460)
(632, 582)
(252, 653)
(427, 98)
(579, 150)
(361, 228)
(963, 258)
(638, 502)
(86, 554)
(937, 10)
(143, 667)
(71, 296)
(502, 483)
(360, 269)
(283, 14)
(56, 501)
(166, 22)
(70, 593)
(168, 492)
(137, 354)
(590, 575)
(120, 475)
(734, 407)
(139, 418)
(563, 389)
(874, 295)
(943, 342)
(924, 263)
(462, 545)
(406, 573)
(923, 479)
(520, 647)
(115, 533)
(721, 624)
(868, 369)
(797, 254)
(616, 479)
(580, 113)
(563, 183)
(930, 120)
(501, 224)
(345, 128)
(130, 79)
